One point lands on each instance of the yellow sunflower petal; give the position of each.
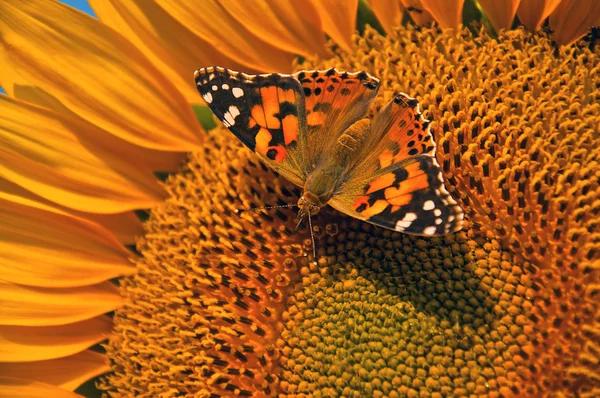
(68, 373)
(20, 388)
(27, 344)
(389, 12)
(164, 41)
(500, 13)
(291, 27)
(138, 156)
(41, 246)
(48, 154)
(212, 22)
(448, 13)
(36, 306)
(572, 19)
(532, 13)
(99, 75)
(417, 12)
(126, 227)
(339, 20)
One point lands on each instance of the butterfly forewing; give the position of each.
(397, 182)
(266, 112)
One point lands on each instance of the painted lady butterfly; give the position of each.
(311, 128)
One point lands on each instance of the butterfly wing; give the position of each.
(397, 182)
(333, 101)
(290, 121)
(266, 112)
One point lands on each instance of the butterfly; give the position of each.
(311, 128)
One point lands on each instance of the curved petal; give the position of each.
(501, 14)
(417, 12)
(164, 41)
(55, 155)
(138, 156)
(213, 23)
(27, 344)
(572, 19)
(44, 247)
(292, 27)
(20, 388)
(532, 13)
(68, 373)
(339, 20)
(99, 75)
(448, 13)
(389, 12)
(126, 227)
(36, 306)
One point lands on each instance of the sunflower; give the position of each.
(198, 300)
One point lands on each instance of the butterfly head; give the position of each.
(308, 205)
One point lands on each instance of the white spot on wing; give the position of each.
(401, 225)
(207, 97)
(230, 115)
(428, 205)
(438, 221)
(437, 212)
(214, 87)
(237, 92)
(429, 231)
(225, 86)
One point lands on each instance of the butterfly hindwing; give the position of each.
(397, 183)
(266, 112)
(399, 132)
(333, 101)
(334, 97)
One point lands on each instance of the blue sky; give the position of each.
(80, 5)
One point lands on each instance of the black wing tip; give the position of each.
(405, 99)
(201, 75)
(367, 79)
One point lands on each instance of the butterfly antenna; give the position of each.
(312, 238)
(240, 211)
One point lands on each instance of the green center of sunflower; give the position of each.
(226, 304)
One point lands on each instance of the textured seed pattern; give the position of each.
(227, 305)
(517, 122)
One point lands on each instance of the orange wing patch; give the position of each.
(368, 209)
(263, 111)
(393, 189)
(406, 132)
(411, 198)
(382, 182)
(331, 91)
